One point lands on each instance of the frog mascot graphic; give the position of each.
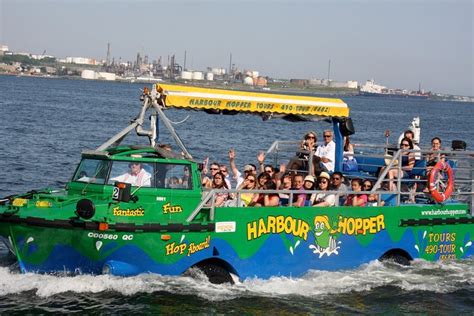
(324, 237)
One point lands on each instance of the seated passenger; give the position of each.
(372, 198)
(337, 184)
(326, 153)
(218, 182)
(324, 199)
(408, 162)
(300, 161)
(308, 185)
(250, 183)
(434, 156)
(136, 176)
(270, 199)
(286, 183)
(356, 199)
(207, 181)
(298, 198)
(410, 135)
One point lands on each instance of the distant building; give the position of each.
(4, 48)
(300, 82)
(81, 61)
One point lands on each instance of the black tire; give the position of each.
(397, 258)
(216, 274)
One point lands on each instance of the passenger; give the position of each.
(408, 162)
(298, 198)
(324, 198)
(300, 161)
(308, 185)
(278, 175)
(434, 156)
(249, 183)
(286, 183)
(186, 180)
(262, 179)
(218, 182)
(225, 172)
(348, 147)
(268, 169)
(337, 182)
(349, 163)
(270, 199)
(237, 176)
(136, 176)
(410, 135)
(207, 181)
(356, 199)
(326, 153)
(174, 183)
(372, 198)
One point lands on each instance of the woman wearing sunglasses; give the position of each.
(408, 162)
(218, 182)
(249, 183)
(324, 198)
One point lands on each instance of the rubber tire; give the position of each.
(216, 274)
(397, 258)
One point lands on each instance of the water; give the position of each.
(46, 123)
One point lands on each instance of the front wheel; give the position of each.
(216, 274)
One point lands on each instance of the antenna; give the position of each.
(329, 70)
(107, 60)
(184, 66)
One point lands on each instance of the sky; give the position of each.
(400, 44)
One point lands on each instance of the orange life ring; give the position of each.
(436, 177)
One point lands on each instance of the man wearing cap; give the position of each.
(324, 198)
(327, 152)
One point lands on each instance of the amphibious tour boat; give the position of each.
(100, 223)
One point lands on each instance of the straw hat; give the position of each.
(309, 178)
(324, 175)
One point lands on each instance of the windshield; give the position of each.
(140, 174)
(92, 171)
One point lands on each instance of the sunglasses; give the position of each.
(405, 145)
(367, 186)
(214, 169)
(308, 137)
(323, 181)
(251, 180)
(326, 136)
(338, 179)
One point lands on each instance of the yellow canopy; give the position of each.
(250, 102)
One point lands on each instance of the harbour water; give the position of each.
(46, 123)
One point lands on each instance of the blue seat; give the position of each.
(419, 169)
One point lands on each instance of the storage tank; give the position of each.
(88, 74)
(186, 75)
(254, 73)
(209, 76)
(248, 81)
(198, 75)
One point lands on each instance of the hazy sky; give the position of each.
(398, 43)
